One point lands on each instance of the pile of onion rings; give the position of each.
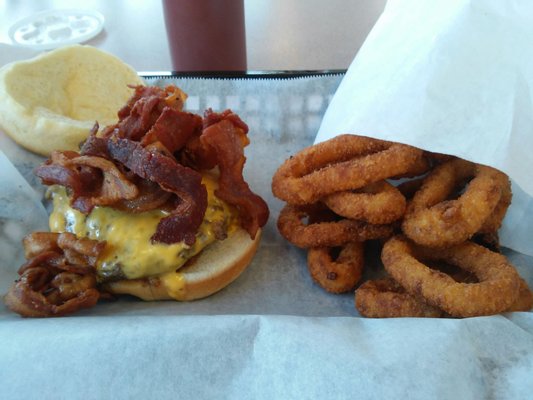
(338, 198)
(436, 217)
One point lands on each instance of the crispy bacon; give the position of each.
(115, 186)
(140, 92)
(151, 164)
(58, 170)
(224, 139)
(92, 180)
(152, 133)
(144, 108)
(171, 176)
(173, 129)
(197, 154)
(211, 118)
(94, 145)
(143, 115)
(150, 197)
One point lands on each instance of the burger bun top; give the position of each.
(52, 101)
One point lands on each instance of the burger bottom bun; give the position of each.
(51, 102)
(214, 268)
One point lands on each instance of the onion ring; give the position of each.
(59, 276)
(24, 296)
(421, 166)
(339, 275)
(525, 298)
(385, 298)
(345, 162)
(329, 234)
(40, 242)
(494, 222)
(376, 203)
(433, 221)
(496, 291)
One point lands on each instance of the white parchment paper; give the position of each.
(450, 76)
(272, 333)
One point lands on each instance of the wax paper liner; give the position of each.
(272, 333)
(453, 77)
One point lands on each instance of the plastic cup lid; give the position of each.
(54, 28)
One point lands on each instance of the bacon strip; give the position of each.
(95, 146)
(173, 129)
(93, 180)
(211, 118)
(186, 183)
(225, 141)
(140, 92)
(143, 115)
(150, 197)
(58, 170)
(143, 110)
(115, 186)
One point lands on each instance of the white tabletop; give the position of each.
(281, 34)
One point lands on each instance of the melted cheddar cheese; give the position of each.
(129, 253)
(174, 284)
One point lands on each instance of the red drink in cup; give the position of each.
(206, 35)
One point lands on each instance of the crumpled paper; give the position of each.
(268, 357)
(453, 77)
(16, 195)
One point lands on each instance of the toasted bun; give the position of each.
(213, 269)
(52, 101)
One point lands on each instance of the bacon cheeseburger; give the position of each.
(154, 206)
